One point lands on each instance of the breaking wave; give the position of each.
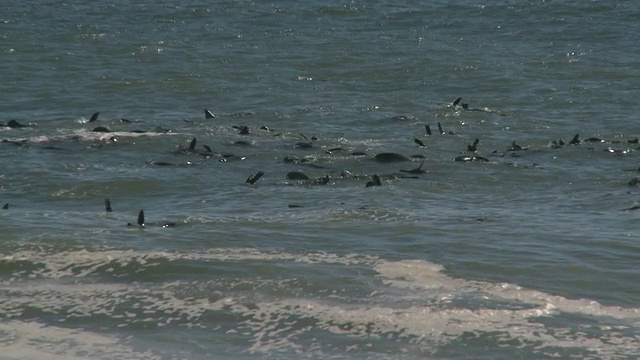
(98, 303)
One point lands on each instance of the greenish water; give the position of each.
(531, 254)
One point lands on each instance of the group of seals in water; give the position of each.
(372, 180)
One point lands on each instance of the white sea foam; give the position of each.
(33, 340)
(84, 135)
(412, 304)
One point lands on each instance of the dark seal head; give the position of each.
(375, 181)
(242, 129)
(14, 124)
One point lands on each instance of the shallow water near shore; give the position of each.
(530, 254)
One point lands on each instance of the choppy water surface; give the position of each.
(530, 254)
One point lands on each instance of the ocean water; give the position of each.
(530, 252)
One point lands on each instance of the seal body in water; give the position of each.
(375, 181)
(390, 157)
(417, 170)
(142, 223)
(14, 124)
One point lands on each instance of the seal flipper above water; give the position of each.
(575, 140)
(141, 218)
(473, 147)
(94, 117)
(417, 170)
(107, 205)
(208, 114)
(255, 177)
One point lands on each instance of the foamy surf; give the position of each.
(84, 135)
(410, 307)
(34, 340)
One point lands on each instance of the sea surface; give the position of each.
(527, 248)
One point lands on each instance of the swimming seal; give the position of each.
(254, 177)
(417, 170)
(242, 129)
(466, 107)
(101, 129)
(594, 139)
(140, 219)
(418, 142)
(332, 150)
(303, 145)
(323, 180)
(390, 157)
(142, 223)
(473, 147)
(516, 147)
(467, 158)
(206, 152)
(556, 144)
(313, 138)
(14, 124)
(375, 181)
(242, 143)
(296, 175)
(575, 140)
(442, 131)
